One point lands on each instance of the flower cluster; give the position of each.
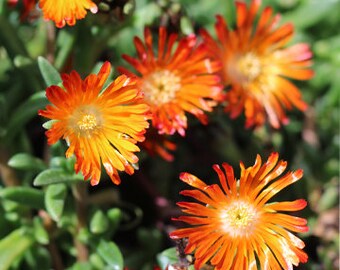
(245, 69)
(187, 76)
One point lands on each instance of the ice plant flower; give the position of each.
(234, 226)
(158, 145)
(257, 65)
(99, 126)
(64, 12)
(176, 80)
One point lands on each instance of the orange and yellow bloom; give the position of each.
(176, 80)
(256, 65)
(235, 226)
(64, 12)
(99, 126)
(158, 145)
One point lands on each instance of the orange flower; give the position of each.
(98, 126)
(66, 11)
(176, 80)
(158, 144)
(234, 227)
(256, 65)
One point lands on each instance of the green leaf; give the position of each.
(48, 124)
(40, 233)
(49, 73)
(22, 61)
(55, 176)
(316, 10)
(99, 223)
(55, 200)
(83, 235)
(115, 216)
(38, 257)
(150, 239)
(24, 161)
(96, 261)
(329, 198)
(58, 162)
(146, 14)
(26, 196)
(111, 254)
(10, 39)
(167, 257)
(65, 43)
(186, 25)
(81, 266)
(13, 247)
(24, 113)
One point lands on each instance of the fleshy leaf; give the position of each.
(65, 42)
(24, 161)
(316, 11)
(167, 257)
(26, 196)
(115, 216)
(111, 255)
(40, 233)
(49, 73)
(55, 200)
(99, 223)
(24, 113)
(13, 247)
(54, 176)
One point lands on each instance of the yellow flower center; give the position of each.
(245, 68)
(161, 86)
(239, 219)
(85, 120)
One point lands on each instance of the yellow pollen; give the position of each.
(161, 86)
(245, 68)
(85, 120)
(239, 219)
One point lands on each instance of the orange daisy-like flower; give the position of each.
(234, 227)
(99, 127)
(176, 80)
(256, 65)
(158, 145)
(66, 11)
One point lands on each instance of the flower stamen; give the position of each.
(245, 69)
(88, 122)
(85, 120)
(161, 86)
(239, 219)
(250, 66)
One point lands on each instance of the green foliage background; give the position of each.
(47, 213)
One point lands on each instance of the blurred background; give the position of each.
(135, 216)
